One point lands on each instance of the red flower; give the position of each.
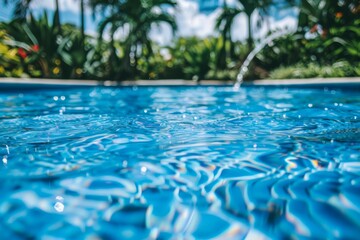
(22, 53)
(339, 15)
(35, 48)
(314, 28)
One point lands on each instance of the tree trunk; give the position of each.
(232, 49)
(58, 15)
(250, 38)
(112, 55)
(82, 22)
(223, 53)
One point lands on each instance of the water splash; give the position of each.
(244, 67)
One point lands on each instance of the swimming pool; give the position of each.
(180, 162)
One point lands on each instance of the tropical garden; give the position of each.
(326, 42)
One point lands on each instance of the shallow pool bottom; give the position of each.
(180, 162)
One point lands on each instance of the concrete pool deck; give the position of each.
(34, 83)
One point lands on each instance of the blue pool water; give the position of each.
(181, 163)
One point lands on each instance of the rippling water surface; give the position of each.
(182, 163)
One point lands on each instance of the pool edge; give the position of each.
(36, 83)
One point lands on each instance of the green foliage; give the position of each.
(72, 52)
(327, 13)
(10, 63)
(97, 64)
(313, 70)
(187, 58)
(226, 19)
(338, 44)
(39, 49)
(195, 52)
(154, 66)
(138, 17)
(326, 44)
(36, 42)
(193, 58)
(224, 26)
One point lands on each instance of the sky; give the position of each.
(191, 22)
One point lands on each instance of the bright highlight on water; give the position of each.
(181, 162)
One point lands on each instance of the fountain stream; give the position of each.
(254, 52)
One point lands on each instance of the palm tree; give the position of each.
(116, 19)
(248, 7)
(38, 37)
(141, 20)
(82, 21)
(82, 25)
(327, 13)
(312, 12)
(138, 17)
(223, 25)
(22, 8)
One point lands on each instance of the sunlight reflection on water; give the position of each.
(182, 162)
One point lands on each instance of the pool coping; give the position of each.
(34, 83)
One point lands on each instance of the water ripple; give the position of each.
(183, 163)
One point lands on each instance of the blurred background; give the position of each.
(184, 39)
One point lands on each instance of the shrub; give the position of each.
(312, 70)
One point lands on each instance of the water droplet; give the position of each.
(326, 109)
(62, 98)
(125, 164)
(355, 117)
(183, 116)
(336, 104)
(310, 105)
(255, 146)
(8, 150)
(143, 169)
(59, 198)
(31, 157)
(59, 207)
(284, 115)
(145, 111)
(195, 118)
(4, 160)
(56, 98)
(92, 94)
(299, 116)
